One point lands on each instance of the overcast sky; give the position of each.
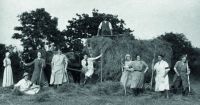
(149, 18)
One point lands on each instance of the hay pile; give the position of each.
(114, 51)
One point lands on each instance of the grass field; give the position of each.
(107, 93)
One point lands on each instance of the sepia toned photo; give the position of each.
(99, 52)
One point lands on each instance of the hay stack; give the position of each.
(115, 50)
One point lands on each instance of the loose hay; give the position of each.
(115, 50)
(108, 88)
(17, 92)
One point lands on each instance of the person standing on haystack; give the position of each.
(140, 68)
(182, 71)
(38, 76)
(127, 70)
(88, 66)
(7, 75)
(161, 78)
(105, 28)
(59, 65)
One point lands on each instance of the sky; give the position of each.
(149, 18)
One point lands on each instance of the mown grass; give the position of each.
(106, 93)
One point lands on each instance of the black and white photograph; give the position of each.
(99, 52)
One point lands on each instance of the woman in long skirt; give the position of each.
(38, 76)
(140, 68)
(127, 70)
(59, 65)
(8, 75)
(162, 79)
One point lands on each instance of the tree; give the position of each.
(2, 56)
(37, 29)
(180, 44)
(84, 26)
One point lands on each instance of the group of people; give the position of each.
(133, 75)
(38, 80)
(133, 71)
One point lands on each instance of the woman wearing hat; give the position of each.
(26, 86)
(8, 75)
(127, 70)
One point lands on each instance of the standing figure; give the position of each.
(127, 70)
(182, 71)
(88, 67)
(105, 28)
(161, 78)
(140, 68)
(7, 75)
(59, 65)
(38, 76)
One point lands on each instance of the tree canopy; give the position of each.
(180, 44)
(37, 29)
(85, 26)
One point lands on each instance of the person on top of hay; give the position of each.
(105, 27)
(182, 71)
(38, 76)
(140, 68)
(127, 71)
(88, 67)
(161, 78)
(59, 65)
(7, 75)
(26, 86)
